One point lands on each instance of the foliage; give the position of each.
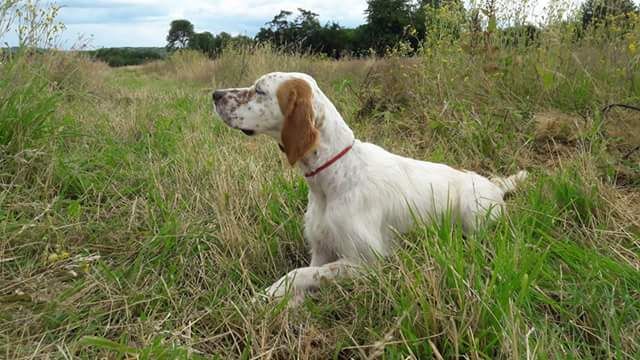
(180, 32)
(35, 24)
(407, 27)
(520, 36)
(212, 46)
(605, 13)
(299, 33)
(128, 56)
(204, 42)
(388, 23)
(444, 22)
(182, 36)
(6, 15)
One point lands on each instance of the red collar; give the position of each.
(330, 161)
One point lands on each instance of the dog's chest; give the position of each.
(315, 221)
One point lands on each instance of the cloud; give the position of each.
(111, 15)
(146, 22)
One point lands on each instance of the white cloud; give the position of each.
(146, 22)
(351, 9)
(116, 34)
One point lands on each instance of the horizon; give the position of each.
(145, 23)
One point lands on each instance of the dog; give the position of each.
(360, 195)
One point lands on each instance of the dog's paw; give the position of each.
(274, 292)
(279, 291)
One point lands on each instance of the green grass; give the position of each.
(135, 224)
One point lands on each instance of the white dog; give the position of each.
(360, 195)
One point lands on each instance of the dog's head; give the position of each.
(280, 105)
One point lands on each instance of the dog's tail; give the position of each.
(510, 183)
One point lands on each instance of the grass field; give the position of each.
(134, 223)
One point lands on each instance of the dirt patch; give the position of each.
(558, 136)
(558, 127)
(623, 126)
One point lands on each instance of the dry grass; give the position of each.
(191, 66)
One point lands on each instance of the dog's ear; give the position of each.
(299, 134)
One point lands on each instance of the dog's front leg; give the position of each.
(304, 279)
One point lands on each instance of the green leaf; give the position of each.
(75, 209)
(546, 76)
(493, 24)
(106, 344)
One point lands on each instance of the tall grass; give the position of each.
(27, 105)
(134, 223)
(187, 65)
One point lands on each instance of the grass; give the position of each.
(135, 224)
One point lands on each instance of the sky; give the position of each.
(114, 23)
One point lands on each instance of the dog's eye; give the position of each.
(260, 92)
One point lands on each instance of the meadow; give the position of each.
(134, 223)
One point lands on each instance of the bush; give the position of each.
(128, 56)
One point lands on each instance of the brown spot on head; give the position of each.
(299, 135)
(246, 95)
(236, 98)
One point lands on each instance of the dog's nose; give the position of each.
(217, 95)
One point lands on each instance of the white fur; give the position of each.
(358, 204)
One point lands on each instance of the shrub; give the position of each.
(128, 56)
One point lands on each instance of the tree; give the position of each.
(604, 12)
(307, 27)
(278, 30)
(240, 40)
(223, 40)
(179, 34)
(333, 40)
(204, 42)
(389, 21)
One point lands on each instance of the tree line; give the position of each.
(389, 23)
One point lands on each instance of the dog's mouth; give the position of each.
(247, 132)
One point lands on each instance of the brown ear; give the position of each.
(299, 135)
